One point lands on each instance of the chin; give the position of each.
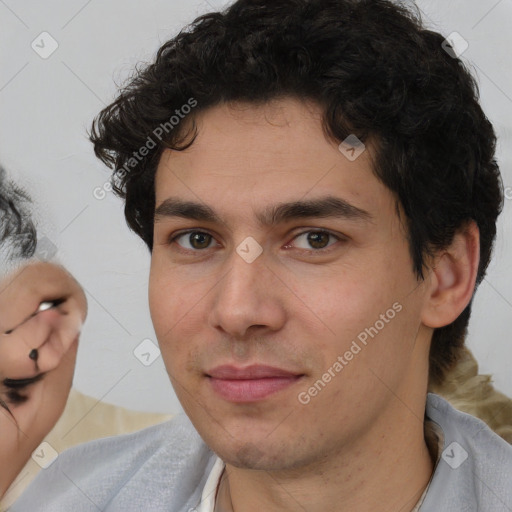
(250, 456)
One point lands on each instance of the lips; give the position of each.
(250, 384)
(249, 372)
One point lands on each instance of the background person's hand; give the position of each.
(33, 391)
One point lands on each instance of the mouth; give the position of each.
(250, 384)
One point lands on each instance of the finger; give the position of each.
(65, 330)
(15, 348)
(22, 292)
(51, 333)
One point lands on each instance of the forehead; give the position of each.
(255, 155)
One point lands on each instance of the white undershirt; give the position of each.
(210, 488)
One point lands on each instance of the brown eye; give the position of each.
(200, 240)
(318, 239)
(315, 240)
(194, 240)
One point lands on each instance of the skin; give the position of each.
(55, 334)
(359, 443)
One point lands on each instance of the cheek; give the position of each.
(164, 295)
(364, 308)
(340, 301)
(174, 305)
(177, 313)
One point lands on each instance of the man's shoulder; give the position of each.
(475, 468)
(163, 467)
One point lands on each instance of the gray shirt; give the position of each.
(164, 469)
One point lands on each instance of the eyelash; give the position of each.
(15, 398)
(338, 238)
(15, 386)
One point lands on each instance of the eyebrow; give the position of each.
(329, 206)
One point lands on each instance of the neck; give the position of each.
(390, 466)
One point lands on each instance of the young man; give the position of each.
(316, 183)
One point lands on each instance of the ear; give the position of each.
(452, 278)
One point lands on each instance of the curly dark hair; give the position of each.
(18, 235)
(374, 69)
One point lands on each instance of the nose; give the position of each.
(247, 298)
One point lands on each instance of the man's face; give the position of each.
(283, 358)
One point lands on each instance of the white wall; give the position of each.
(47, 105)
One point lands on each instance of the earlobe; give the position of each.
(452, 278)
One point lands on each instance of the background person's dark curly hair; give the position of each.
(374, 70)
(18, 235)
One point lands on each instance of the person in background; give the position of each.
(42, 309)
